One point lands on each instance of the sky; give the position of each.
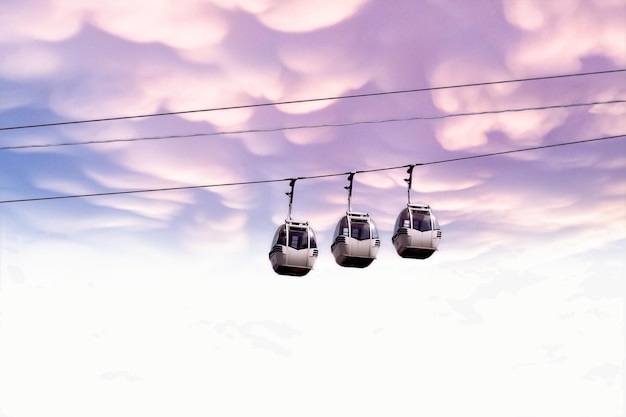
(165, 303)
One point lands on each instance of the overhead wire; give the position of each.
(315, 126)
(311, 100)
(311, 177)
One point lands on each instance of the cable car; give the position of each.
(294, 248)
(417, 233)
(356, 240)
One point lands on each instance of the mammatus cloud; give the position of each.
(186, 25)
(302, 16)
(195, 31)
(521, 297)
(29, 62)
(527, 129)
(210, 61)
(156, 208)
(559, 36)
(51, 21)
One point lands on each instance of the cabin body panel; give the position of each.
(289, 261)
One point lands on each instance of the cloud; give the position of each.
(319, 86)
(529, 229)
(75, 221)
(63, 186)
(310, 136)
(379, 180)
(527, 129)
(102, 94)
(528, 14)
(303, 16)
(559, 35)
(262, 145)
(155, 208)
(222, 235)
(29, 62)
(185, 25)
(203, 163)
(235, 67)
(51, 21)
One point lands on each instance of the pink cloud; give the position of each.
(184, 25)
(50, 21)
(304, 16)
(29, 62)
(559, 35)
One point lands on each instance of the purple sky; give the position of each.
(165, 303)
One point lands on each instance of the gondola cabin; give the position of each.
(417, 233)
(356, 240)
(294, 249)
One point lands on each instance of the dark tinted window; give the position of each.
(374, 229)
(435, 222)
(280, 237)
(360, 230)
(403, 219)
(421, 221)
(298, 238)
(342, 227)
(312, 239)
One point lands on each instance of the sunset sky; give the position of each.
(164, 303)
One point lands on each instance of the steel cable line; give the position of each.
(338, 124)
(311, 100)
(310, 177)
